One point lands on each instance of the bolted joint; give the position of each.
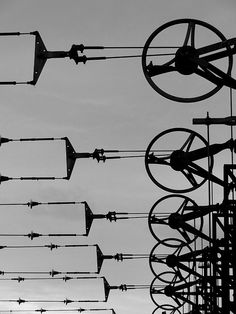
(178, 160)
(111, 216)
(175, 220)
(169, 291)
(123, 287)
(31, 204)
(171, 260)
(119, 257)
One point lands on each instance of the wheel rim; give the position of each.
(152, 81)
(165, 144)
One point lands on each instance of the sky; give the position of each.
(101, 104)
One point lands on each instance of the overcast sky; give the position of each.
(102, 104)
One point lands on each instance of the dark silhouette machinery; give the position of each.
(198, 275)
(195, 268)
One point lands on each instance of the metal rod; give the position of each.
(230, 121)
(55, 310)
(38, 139)
(13, 33)
(50, 246)
(6, 140)
(32, 203)
(139, 47)
(12, 83)
(37, 178)
(33, 235)
(20, 301)
(122, 157)
(52, 273)
(126, 57)
(65, 278)
(8, 83)
(137, 151)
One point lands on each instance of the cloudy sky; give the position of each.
(102, 104)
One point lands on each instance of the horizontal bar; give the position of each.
(207, 121)
(37, 178)
(11, 34)
(32, 139)
(8, 83)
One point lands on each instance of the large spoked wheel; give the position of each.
(162, 262)
(170, 60)
(168, 216)
(162, 299)
(177, 160)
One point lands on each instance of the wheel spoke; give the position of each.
(155, 220)
(154, 70)
(177, 276)
(206, 74)
(169, 62)
(199, 171)
(184, 235)
(178, 250)
(190, 35)
(152, 159)
(176, 300)
(189, 176)
(226, 79)
(187, 144)
(182, 206)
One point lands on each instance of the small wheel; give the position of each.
(162, 262)
(166, 216)
(167, 60)
(170, 163)
(173, 310)
(162, 300)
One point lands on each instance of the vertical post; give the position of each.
(226, 259)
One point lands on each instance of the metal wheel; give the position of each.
(178, 73)
(162, 300)
(176, 160)
(161, 265)
(168, 216)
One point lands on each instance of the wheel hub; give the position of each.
(184, 60)
(175, 220)
(178, 160)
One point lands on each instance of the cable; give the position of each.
(132, 56)
(65, 278)
(33, 235)
(137, 47)
(32, 203)
(50, 246)
(55, 310)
